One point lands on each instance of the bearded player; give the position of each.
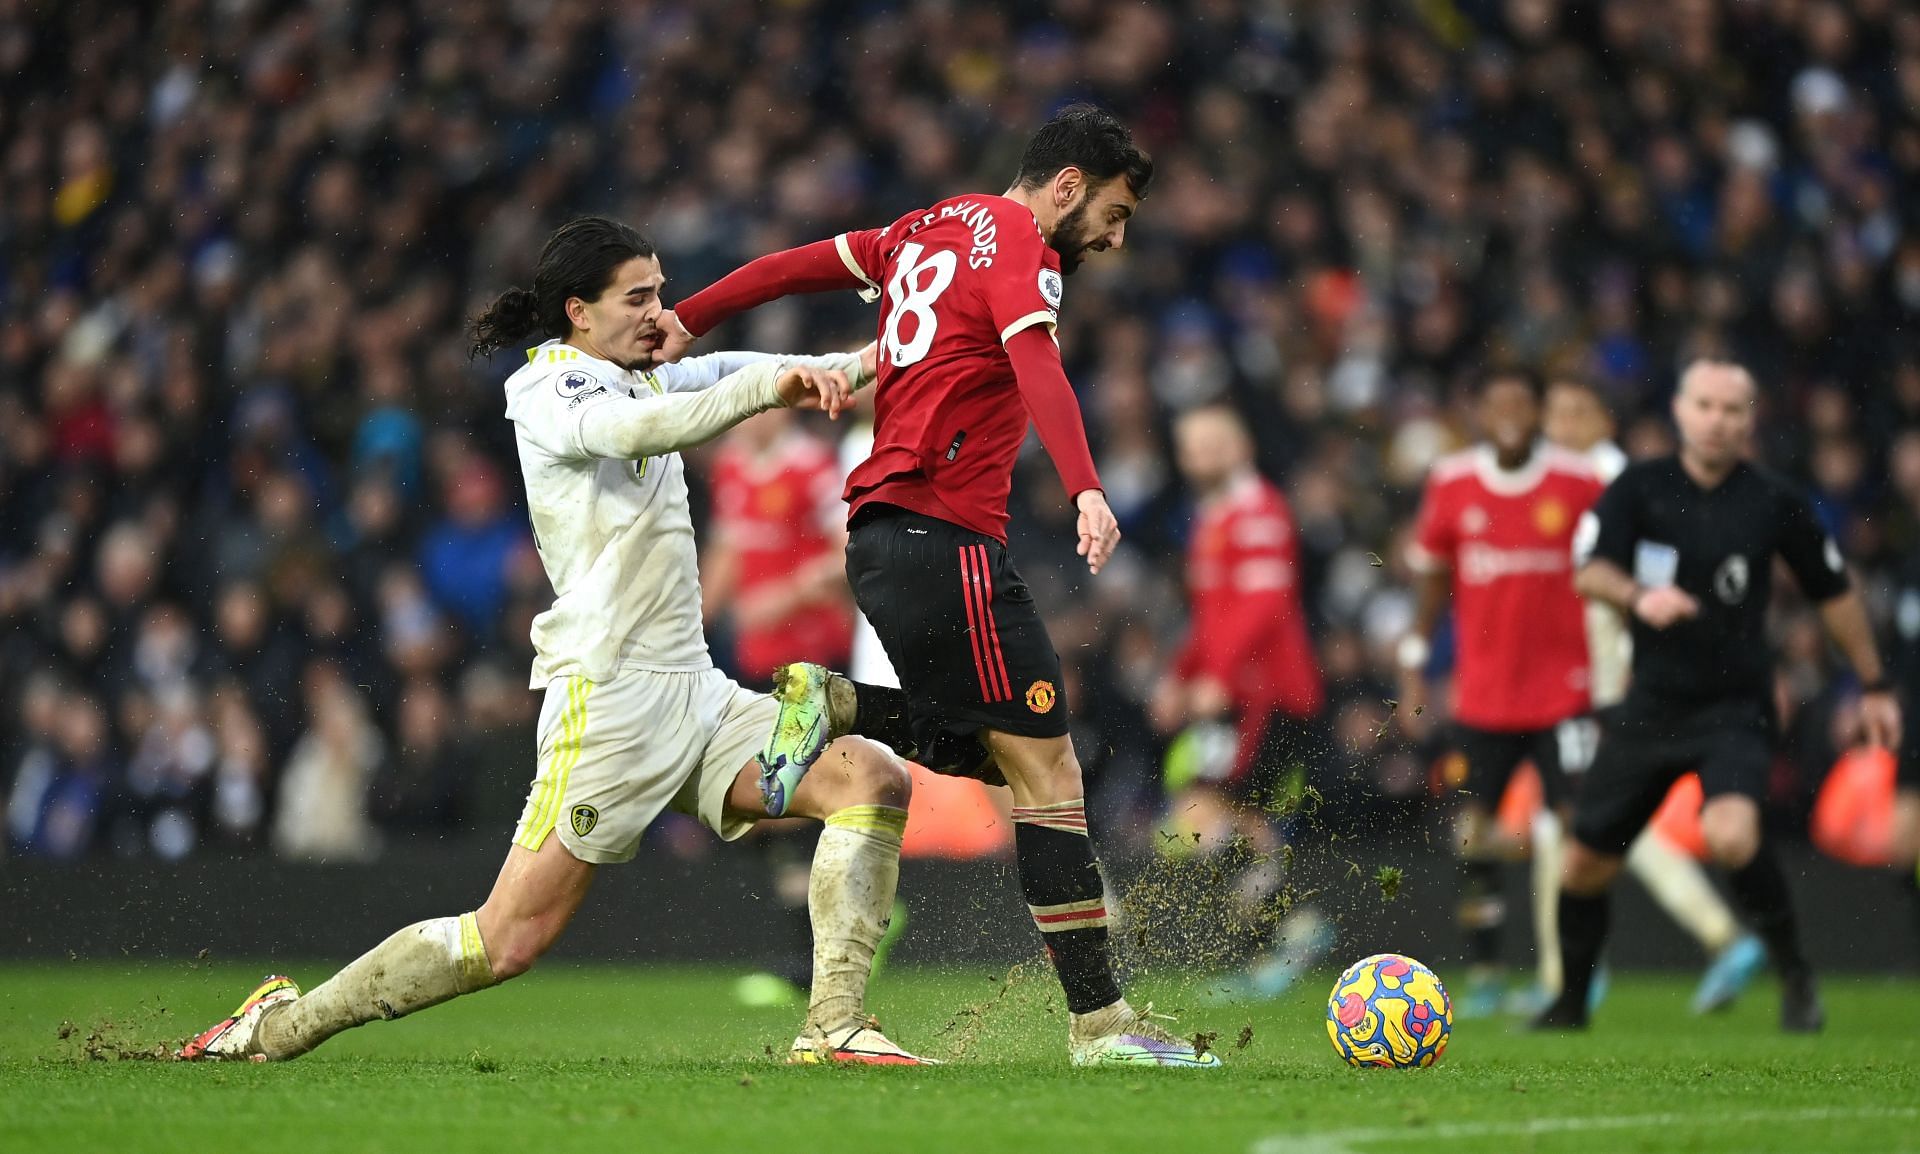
(970, 293)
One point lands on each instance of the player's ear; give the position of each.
(1068, 183)
(577, 315)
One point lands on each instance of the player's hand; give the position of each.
(1208, 699)
(1664, 606)
(1099, 531)
(1880, 717)
(1411, 712)
(819, 390)
(675, 340)
(1168, 708)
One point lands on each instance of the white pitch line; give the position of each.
(1343, 1141)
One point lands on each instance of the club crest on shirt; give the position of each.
(1730, 580)
(569, 383)
(585, 817)
(1040, 696)
(1550, 517)
(1473, 521)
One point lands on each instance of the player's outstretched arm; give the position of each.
(703, 372)
(627, 428)
(1433, 588)
(1055, 413)
(811, 268)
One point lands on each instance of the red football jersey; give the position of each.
(955, 283)
(781, 510)
(1508, 538)
(1249, 629)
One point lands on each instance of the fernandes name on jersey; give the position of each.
(955, 283)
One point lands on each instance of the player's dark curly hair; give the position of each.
(1091, 139)
(578, 261)
(1516, 373)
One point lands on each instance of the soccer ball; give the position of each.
(1389, 1010)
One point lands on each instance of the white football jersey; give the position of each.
(1609, 644)
(1608, 460)
(616, 536)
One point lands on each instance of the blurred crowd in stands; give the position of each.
(264, 578)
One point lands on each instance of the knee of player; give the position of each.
(1731, 842)
(1475, 833)
(1730, 825)
(876, 777)
(1053, 778)
(1586, 871)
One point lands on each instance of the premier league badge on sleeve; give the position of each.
(1050, 288)
(570, 383)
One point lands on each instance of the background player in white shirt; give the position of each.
(636, 719)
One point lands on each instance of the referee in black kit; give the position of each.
(1684, 546)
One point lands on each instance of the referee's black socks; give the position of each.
(1760, 890)
(1583, 932)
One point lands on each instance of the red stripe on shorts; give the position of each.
(975, 635)
(998, 659)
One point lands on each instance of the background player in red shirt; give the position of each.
(1495, 531)
(772, 570)
(773, 566)
(970, 291)
(1247, 667)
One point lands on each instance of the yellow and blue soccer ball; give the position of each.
(1389, 1010)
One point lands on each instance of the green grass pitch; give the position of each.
(602, 1059)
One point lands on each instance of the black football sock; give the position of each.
(1061, 880)
(1483, 909)
(1760, 890)
(880, 712)
(1583, 931)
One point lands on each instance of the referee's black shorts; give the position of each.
(961, 629)
(1647, 745)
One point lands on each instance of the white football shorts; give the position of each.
(613, 754)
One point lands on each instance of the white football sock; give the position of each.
(1681, 887)
(423, 965)
(850, 899)
(1549, 850)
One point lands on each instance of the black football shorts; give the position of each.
(1645, 746)
(961, 629)
(1492, 756)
